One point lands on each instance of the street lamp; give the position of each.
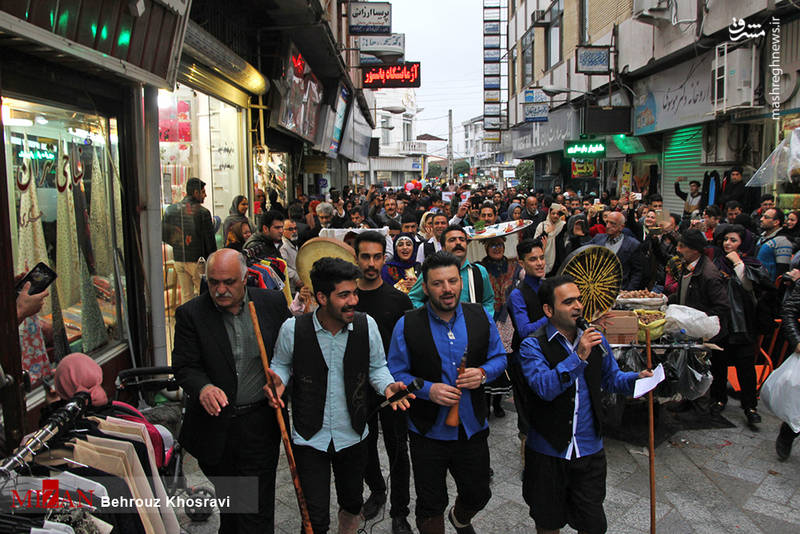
(552, 90)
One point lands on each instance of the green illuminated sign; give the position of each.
(585, 149)
(36, 154)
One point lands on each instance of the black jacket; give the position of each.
(630, 256)
(790, 314)
(261, 247)
(187, 227)
(707, 293)
(203, 355)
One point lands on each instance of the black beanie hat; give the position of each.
(694, 239)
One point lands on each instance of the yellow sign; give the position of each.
(625, 182)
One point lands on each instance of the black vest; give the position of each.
(310, 376)
(553, 419)
(426, 363)
(534, 311)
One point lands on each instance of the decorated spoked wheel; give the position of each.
(598, 274)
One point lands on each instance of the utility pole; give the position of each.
(450, 146)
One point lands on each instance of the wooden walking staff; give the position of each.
(651, 439)
(287, 445)
(452, 416)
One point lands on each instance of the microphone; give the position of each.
(411, 388)
(584, 325)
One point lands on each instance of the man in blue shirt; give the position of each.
(565, 465)
(476, 286)
(334, 355)
(527, 317)
(432, 342)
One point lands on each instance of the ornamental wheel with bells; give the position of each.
(598, 274)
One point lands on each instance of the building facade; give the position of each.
(685, 92)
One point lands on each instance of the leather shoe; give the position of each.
(400, 526)
(717, 407)
(465, 529)
(783, 445)
(753, 418)
(373, 505)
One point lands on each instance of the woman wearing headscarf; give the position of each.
(238, 233)
(502, 275)
(791, 229)
(745, 278)
(577, 233)
(403, 264)
(514, 212)
(238, 213)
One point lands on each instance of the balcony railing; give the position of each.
(413, 147)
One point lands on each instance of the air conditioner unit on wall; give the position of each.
(652, 11)
(722, 143)
(732, 75)
(540, 17)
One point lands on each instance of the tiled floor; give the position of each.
(707, 481)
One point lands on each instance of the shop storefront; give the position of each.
(676, 114)
(72, 185)
(544, 143)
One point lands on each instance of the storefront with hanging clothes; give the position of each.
(203, 133)
(73, 180)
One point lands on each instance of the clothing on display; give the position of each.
(67, 265)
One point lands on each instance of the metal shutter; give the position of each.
(683, 156)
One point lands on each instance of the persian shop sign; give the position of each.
(370, 18)
(385, 76)
(584, 149)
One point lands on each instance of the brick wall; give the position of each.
(604, 13)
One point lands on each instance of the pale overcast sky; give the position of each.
(446, 36)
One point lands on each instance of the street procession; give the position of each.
(263, 276)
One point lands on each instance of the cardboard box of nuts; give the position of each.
(623, 327)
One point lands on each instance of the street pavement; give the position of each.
(707, 482)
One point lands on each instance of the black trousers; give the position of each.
(742, 357)
(314, 470)
(520, 388)
(395, 439)
(251, 450)
(468, 462)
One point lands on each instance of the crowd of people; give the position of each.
(471, 321)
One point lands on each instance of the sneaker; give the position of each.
(400, 526)
(753, 418)
(465, 529)
(373, 505)
(783, 445)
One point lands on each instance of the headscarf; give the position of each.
(510, 212)
(395, 270)
(744, 250)
(495, 268)
(235, 205)
(78, 373)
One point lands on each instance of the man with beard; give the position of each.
(386, 305)
(565, 367)
(774, 248)
(334, 354)
(288, 252)
(228, 426)
(434, 244)
(476, 285)
(265, 243)
(431, 343)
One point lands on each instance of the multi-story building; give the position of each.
(400, 158)
(487, 159)
(688, 93)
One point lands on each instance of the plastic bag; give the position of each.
(781, 392)
(696, 377)
(694, 323)
(782, 165)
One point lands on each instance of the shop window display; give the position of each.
(65, 211)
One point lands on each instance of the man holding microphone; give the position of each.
(566, 365)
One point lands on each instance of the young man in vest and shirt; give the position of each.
(565, 366)
(476, 286)
(334, 355)
(431, 343)
(527, 317)
(386, 305)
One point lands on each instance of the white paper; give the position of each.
(643, 385)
